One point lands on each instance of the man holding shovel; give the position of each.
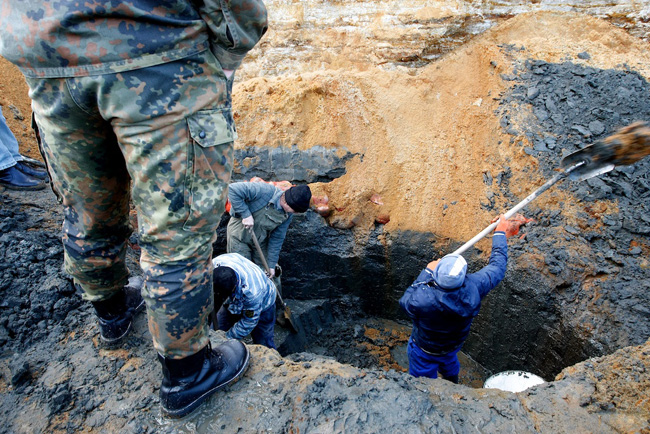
(443, 301)
(267, 210)
(247, 299)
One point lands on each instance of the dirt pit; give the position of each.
(376, 343)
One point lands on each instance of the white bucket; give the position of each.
(512, 381)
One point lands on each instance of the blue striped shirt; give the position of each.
(254, 293)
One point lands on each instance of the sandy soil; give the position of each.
(425, 138)
(16, 108)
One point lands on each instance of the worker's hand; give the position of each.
(502, 225)
(272, 273)
(433, 264)
(248, 222)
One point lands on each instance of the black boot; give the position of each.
(115, 315)
(14, 179)
(189, 381)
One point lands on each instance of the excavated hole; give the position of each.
(505, 335)
(572, 287)
(346, 306)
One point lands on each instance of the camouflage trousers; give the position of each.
(161, 137)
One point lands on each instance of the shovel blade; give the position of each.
(589, 171)
(289, 317)
(626, 146)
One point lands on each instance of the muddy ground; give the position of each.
(444, 143)
(56, 378)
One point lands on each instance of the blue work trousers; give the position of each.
(422, 364)
(262, 334)
(9, 154)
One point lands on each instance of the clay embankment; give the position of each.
(426, 136)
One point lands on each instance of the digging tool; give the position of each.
(285, 308)
(627, 146)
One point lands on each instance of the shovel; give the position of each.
(627, 146)
(285, 308)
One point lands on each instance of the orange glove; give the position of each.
(512, 225)
(502, 225)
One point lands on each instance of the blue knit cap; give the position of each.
(450, 272)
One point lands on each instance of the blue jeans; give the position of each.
(262, 334)
(9, 154)
(422, 364)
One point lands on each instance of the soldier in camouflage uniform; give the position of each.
(132, 101)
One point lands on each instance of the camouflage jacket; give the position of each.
(71, 38)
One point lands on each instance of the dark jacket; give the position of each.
(442, 318)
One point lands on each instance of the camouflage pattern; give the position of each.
(69, 38)
(131, 103)
(167, 130)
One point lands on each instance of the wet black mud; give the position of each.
(369, 342)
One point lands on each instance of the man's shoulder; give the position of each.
(254, 185)
(423, 293)
(252, 188)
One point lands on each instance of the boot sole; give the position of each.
(176, 414)
(23, 188)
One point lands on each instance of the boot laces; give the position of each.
(215, 357)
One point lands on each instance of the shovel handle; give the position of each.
(266, 264)
(560, 176)
(259, 250)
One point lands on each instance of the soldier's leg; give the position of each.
(90, 179)
(175, 126)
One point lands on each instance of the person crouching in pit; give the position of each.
(245, 299)
(443, 301)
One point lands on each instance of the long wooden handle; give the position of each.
(259, 250)
(560, 176)
(266, 264)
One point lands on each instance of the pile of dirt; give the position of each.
(426, 139)
(598, 245)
